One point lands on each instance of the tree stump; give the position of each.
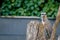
(32, 30)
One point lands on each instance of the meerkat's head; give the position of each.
(43, 17)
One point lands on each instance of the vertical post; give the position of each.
(53, 35)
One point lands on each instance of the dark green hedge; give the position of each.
(29, 7)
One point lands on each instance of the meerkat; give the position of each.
(45, 28)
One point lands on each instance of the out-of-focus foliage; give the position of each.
(29, 7)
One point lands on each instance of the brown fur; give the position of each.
(41, 32)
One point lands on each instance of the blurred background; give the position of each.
(15, 28)
(29, 7)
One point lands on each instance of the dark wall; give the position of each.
(15, 29)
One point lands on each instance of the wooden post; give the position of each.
(53, 35)
(32, 30)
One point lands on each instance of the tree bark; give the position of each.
(53, 35)
(32, 30)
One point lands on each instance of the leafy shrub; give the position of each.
(29, 7)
